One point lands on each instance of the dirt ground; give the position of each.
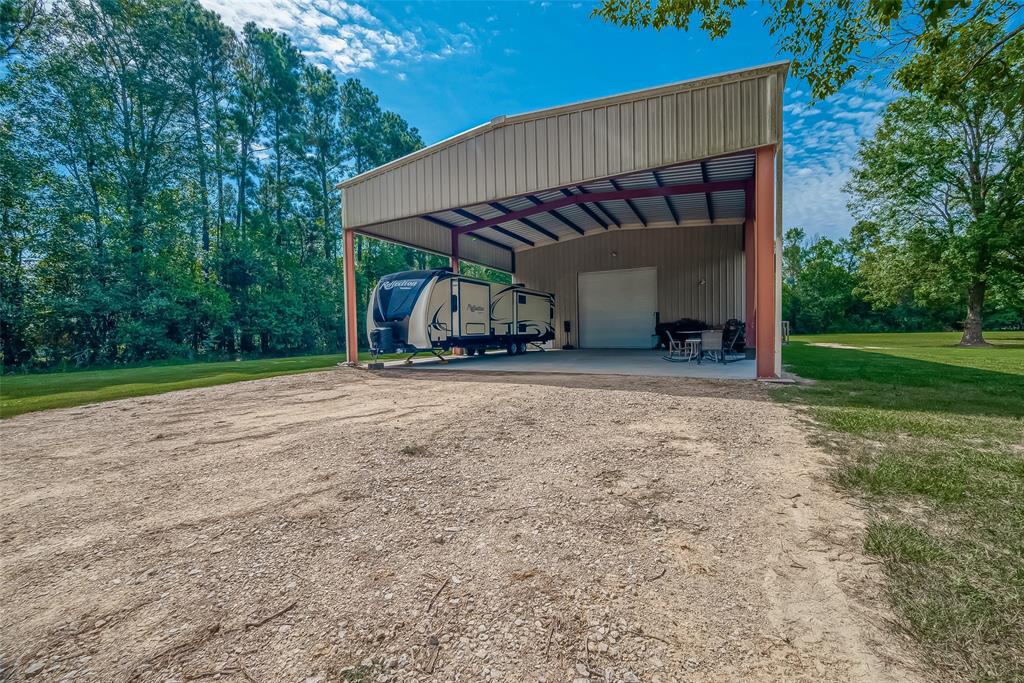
(404, 525)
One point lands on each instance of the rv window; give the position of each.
(397, 294)
(522, 298)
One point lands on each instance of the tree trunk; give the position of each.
(219, 166)
(972, 325)
(243, 163)
(228, 336)
(200, 143)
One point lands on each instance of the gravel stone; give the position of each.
(354, 525)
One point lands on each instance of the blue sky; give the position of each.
(448, 66)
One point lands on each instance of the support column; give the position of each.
(766, 310)
(453, 260)
(749, 250)
(351, 328)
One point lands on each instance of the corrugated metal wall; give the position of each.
(421, 234)
(574, 144)
(683, 257)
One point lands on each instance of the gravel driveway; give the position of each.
(411, 525)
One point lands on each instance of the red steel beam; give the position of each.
(636, 193)
(766, 311)
(348, 263)
(749, 251)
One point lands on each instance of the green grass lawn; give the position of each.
(42, 391)
(932, 436)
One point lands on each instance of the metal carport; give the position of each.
(685, 177)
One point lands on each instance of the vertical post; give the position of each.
(454, 262)
(766, 307)
(454, 259)
(351, 329)
(749, 250)
(777, 352)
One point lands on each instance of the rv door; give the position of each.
(474, 318)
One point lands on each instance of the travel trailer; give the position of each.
(431, 310)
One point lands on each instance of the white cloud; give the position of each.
(341, 34)
(799, 109)
(819, 155)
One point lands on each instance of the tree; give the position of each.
(207, 49)
(370, 136)
(396, 137)
(818, 281)
(22, 178)
(167, 188)
(324, 150)
(360, 124)
(943, 180)
(17, 18)
(831, 40)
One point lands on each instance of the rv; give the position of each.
(431, 310)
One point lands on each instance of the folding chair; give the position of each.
(682, 350)
(675, 348)
(711, 345)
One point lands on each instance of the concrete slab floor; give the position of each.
(588, 362)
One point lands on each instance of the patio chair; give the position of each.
(711, 345)
(675, 346)
(682, 350)
(733, 337)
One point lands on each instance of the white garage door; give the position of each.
(617, 308)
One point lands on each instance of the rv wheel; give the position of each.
(512, 348)
(521, 348)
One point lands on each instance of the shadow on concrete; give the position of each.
(665, 386)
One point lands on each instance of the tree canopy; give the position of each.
(830, 41)
(167, 186)
(943, 180)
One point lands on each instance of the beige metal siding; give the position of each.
(574, 144)
(424, 235)
(683, 257)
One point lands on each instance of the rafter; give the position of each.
(668, 202)
(707, 195)
(620, 194)
(537, 201)
(507, 233)
(454, 228)
(612, 219)
(525, 221)
(629, 203)
(587, 210)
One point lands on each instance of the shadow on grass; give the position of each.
(32, 385)
(853, 378)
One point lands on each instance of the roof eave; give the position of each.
(780, 67)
